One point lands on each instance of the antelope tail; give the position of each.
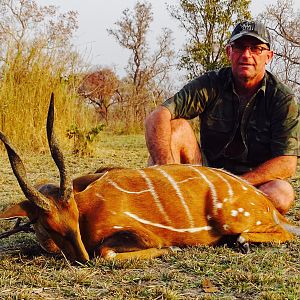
(288, 227)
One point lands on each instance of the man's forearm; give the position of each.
(158, 136)
(281, 167)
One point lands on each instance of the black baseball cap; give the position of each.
(251, 28)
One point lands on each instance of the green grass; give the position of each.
(26, 272)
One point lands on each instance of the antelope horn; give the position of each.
(65, 189)
(31, 193)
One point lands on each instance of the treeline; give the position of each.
(37, 58)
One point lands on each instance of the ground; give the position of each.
(26, 272)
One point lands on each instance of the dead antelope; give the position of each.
(142, 213)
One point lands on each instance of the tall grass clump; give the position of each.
(29, 76)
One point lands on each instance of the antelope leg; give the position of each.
(139, 254)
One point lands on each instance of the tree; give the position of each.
(207, 24)
(23, 22)
(284, 25)
(145, 71)
(100, 89)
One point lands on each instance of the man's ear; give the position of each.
(228, 51)
(22, 209)
(269, 56)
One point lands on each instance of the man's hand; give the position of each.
(281, 167)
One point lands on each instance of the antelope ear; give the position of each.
(22, 209)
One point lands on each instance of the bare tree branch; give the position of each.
(26, 227)
(144, 70)
(284, 24)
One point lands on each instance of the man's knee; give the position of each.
(181, 127)
(184, 145)
(281, 193)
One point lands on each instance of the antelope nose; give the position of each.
(83, 258)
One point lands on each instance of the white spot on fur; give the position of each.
(208, 217)
(226, 227)
(246, 214)
(247, 230)
(118, 227)
(240, 209)
(244, 188)
(241, 239)
(252, 203)
(234, 213)
(258, 223)
(219, 205)
(225, 200)
(110, 254)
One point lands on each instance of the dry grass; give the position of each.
(26, 84)
(26, 272)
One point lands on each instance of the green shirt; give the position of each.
(234, 137)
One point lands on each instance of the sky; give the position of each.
(96, 16)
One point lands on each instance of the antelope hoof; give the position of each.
(243, 245)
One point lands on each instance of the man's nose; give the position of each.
(247, 51)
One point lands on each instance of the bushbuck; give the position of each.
(142, 213)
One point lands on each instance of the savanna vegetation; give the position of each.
(99, 122)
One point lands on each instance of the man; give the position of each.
(249, 121)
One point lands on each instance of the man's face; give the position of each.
(248, 57)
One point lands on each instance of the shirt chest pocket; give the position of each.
(220, 116)
(215, 135)
(217, 124)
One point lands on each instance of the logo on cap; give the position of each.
(248, 26)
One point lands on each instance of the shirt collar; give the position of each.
(229, 84)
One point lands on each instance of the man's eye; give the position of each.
(252, 49)
(256, 48)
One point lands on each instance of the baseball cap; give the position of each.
(251, 28)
